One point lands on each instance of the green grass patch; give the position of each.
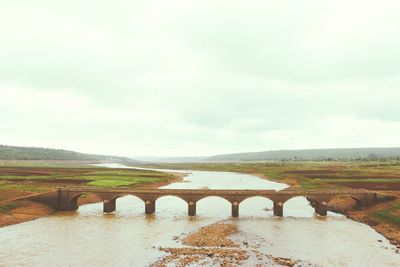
(126, 181)
(389, 215)
(7, 208)
(359, 180)
(128, 173)
(30, 177)
(111, 183)
(313, 184)
(274, 174)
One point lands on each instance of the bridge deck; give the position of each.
(127, 190)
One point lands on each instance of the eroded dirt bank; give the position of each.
(25, 210)
(389, 231)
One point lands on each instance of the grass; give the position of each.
(7, 208)
(313, 184)
(389, 215)
(123, 181)
(111, 183)
(30, 177)
(359, 180)
(41, 177)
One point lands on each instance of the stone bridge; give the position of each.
(67, 198)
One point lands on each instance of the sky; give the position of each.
(191, 78)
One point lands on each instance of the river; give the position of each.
(127, 237)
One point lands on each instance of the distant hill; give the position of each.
(36, 153)
(313, 154)
(171, 159)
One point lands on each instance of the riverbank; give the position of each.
(347, 207)
(23, 211)
(387, 229)
(18, 183)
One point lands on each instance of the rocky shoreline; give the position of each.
(390, 232)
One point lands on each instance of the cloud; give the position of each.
(199, 77)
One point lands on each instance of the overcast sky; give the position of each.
(183, 78)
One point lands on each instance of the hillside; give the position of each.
(171, 159)
(36, 153)
(314, 154)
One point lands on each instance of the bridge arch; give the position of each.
(173, 195)
(76, 200)
(299, 206)
(358, 201)
(172, 203)
(257, 206)
(206, 205)
(346, 201)
(127, 203)
(116, 197)
(268, 198)
(308, 198)
(214, 196)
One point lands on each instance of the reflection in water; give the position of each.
(130, 238)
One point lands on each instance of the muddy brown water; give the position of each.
(88, 237)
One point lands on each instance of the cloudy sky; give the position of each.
(184, 78)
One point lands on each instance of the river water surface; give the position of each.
(88, 237)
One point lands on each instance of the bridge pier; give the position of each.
(278, 208)
(109, 205)
(65, 202)
(192, 208)
(320, 208)
(150, 207)
(235, 209)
